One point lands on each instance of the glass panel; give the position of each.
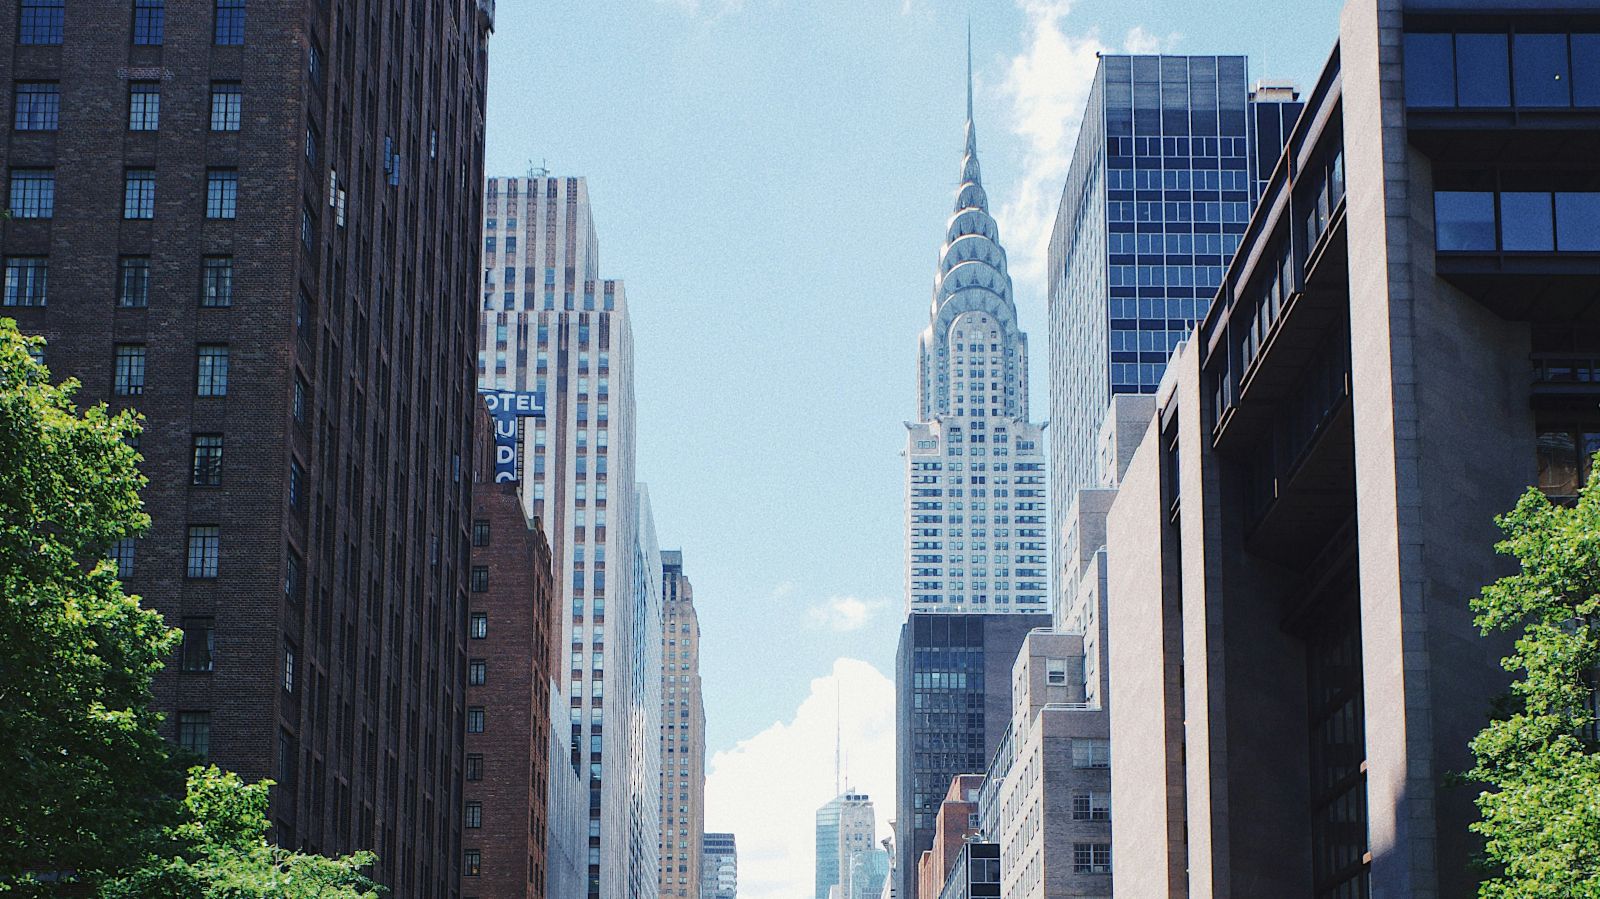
(1541, 69)
(1586, 69)
(1483, 70)
(1558, 463)
(1430, 70)
(1578, 222)
(1526, 222)
(1464, 220)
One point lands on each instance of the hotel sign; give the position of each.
(507, 409)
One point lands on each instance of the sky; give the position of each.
(771, 179)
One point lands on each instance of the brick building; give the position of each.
(254, 221)
(512, 632)
(683, 736)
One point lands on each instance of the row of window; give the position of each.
(27, 280)
(43, 22)
(1517, 221)
(33, 193)
(36, 106)
(1487, 71)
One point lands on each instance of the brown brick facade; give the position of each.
(351, 259)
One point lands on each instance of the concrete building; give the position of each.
(683, 737)
(719, 866)
(1298, 534)
(846, 825)
(975, 479)
(208, 227)
(644, 712)
(952, 709)
(975, 873)
(956, 822)
(551, 326)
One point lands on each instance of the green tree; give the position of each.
(220, 851)
(84, 777)
(1541, 817)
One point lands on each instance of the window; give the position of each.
(1482, 70)
(288, 668)
(1091, 806)
(144, 105)
(471, 863)
(1527, 221)
(1091, 858)
(297, 485)
(1576, 214)
(217, 281)
(33, 193)
(207, 460)
(1056, 671)
(226, 100)
(474, 767)
(478, 627)
(473, 818)
(1464, 220)
(198, 644)
(1539, 68)
(477, 672)
(37, 106)
(1564, 458)
(222, 194)
(121, 555)
(1091, 753)
(229, 30)
(205, 548)
(213, 370)
(128, 370)
(475, 720)
(40, 22)
(480, 532)
(133, 287)
(480, 579)
(291, 577)
(139, 194)
(299, 400)
(149, 17)
(194, 732)
(26, 279)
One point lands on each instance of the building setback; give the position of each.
(511, 640)
(683, 736)
(1298, 535)
(247, 224)
(719, 871)
(551, 326)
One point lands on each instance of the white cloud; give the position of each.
(1141, 41)
(710, 9)
(766, 790)
(845, 613)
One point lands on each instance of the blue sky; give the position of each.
(771, 179)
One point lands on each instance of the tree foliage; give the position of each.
(1541, 817)
(220, 851)
(83, 773)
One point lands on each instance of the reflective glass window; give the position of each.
(1483, 70)
(1526, 222)
(1540, 64)
(1464, 220)
(1578, 222)
(1586, 69)
(1430, 70)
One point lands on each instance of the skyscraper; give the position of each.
(683, 736)
(644, 710)
(974, 462)
(210, 228)
(719, 869)
(846, 826)
(550, 325)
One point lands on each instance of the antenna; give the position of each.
(541, 170)
(838, 736)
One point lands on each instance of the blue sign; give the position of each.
(507, 409)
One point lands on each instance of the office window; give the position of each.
(128, 370)
(144, 105)
(1586, 70)
(40, 21)
(1539, 67)
(480, 579)
(222, 194)
(133, 283)
(1091, 753)
(1527, 221)
(229, 30)
(217, 281)
(1464, 220)
(149, 20)
(472, 863)
(198, 644)
(480, 532)
(139, 194)
(478, 626)
(1576, 215)
(474, 767)
(121, 555)
(36, 106)
(1483, 70)
(33, 193)
(213, 370)
(207, 460)
(473, 817)
(1091, 858)
(475, 720)
(194, 732)
(205, 551)
(477, 672)
(26, 280)
(227, 98)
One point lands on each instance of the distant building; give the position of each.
(869, 868)
(719, 867)
(956, 822)
(846, 825)
(683, 736)
(975, 874)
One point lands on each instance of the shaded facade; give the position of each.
(247, 222)
(683, 736)
(952, 709)
(955, 823)
(1299, 533)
